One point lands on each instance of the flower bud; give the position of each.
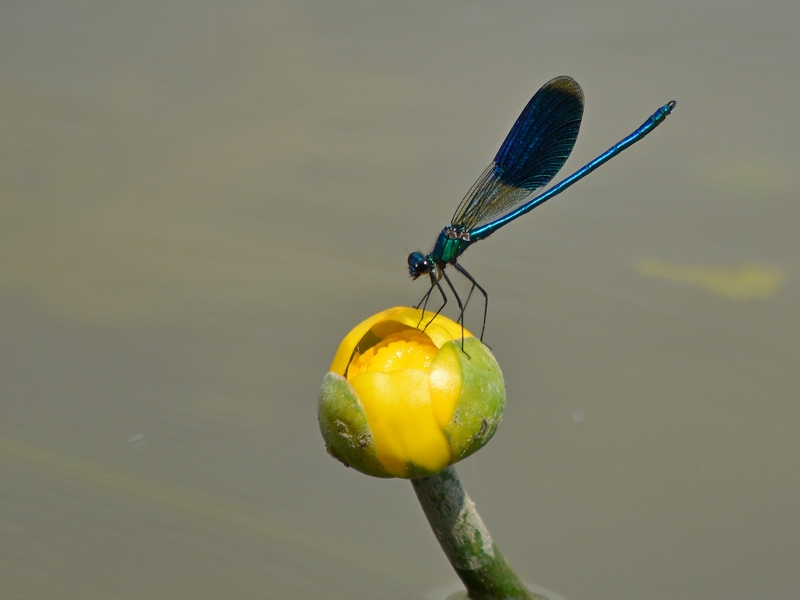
(403, 402)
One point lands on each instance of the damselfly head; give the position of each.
(419, 264)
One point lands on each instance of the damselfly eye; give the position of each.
(418, 264)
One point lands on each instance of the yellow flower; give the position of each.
(402, 402)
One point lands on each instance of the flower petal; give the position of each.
(445, 383)
(440, 330)
(400, 416)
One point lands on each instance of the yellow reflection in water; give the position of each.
(746, 281)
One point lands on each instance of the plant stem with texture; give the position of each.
(466, 541)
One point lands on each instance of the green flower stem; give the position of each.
(466, 541)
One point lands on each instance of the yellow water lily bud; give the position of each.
(403, 402)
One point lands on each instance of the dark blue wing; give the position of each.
(535, 149)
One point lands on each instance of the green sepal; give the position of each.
(344, 427)
(483, 398)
